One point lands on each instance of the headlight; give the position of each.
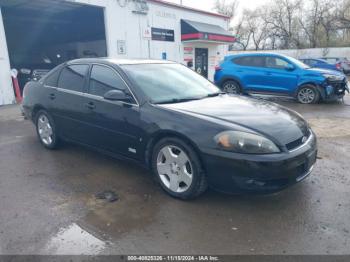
(246, 143)
(333, 77)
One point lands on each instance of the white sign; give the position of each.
(147, 33)
(121, 47)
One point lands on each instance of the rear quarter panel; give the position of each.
(228, 71)
(35, 97)
(246, 76)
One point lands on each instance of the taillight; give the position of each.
(338, 65)
(218, 68)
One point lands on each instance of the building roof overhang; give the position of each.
(201, 32)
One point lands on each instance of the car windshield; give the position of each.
(170, 83)
(298, 63)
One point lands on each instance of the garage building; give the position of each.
(37, 35)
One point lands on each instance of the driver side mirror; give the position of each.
(289, 67)
(117, 95)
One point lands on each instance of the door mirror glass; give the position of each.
(289, 67)
(116, 95)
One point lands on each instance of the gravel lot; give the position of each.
(48, 204)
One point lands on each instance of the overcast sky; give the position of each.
(208, 4)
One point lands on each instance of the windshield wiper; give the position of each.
(216, 94)
(181, 100)
(177, 100)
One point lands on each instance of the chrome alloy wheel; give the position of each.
(231, 88)
(45, 130)
(306, 95)
(174, 169)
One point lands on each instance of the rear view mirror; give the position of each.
(289, 67)
(116, 95)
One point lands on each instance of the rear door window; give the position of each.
(104, 79)
(254, 61)
(73, 77)
(243, 61)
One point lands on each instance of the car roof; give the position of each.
(116, 61)
(255, 54)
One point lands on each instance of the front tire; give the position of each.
(46, 130)
(308, 94)
(178, 170)
(231, 87)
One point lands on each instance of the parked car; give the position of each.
(179, 125)
(341, 62)
(272, 74)
(31, 66)
(320, 63)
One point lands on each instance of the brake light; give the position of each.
(338, 65)
(218, 68)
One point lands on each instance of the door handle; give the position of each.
(52, 96)
(268, 73)
(90, 105)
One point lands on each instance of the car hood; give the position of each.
(325, 71)
(271, 120)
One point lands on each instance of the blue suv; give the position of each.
(272, 74)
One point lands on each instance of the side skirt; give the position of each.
(106, 152)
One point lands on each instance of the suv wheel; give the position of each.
(177, 168)
(231, 87)
(308, 94)
(46, 130)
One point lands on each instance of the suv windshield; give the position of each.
(170, 83)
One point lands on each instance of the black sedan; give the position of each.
(173, 121)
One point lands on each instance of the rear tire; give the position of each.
(231, 87)
(177, 169)
(46, 130)
(308, 94)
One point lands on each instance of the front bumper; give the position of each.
(331, 91)
(238, 173)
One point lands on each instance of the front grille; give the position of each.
(296, 143)
(338, 86)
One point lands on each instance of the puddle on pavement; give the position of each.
(74, 240)
(138, 202)
(112, 220)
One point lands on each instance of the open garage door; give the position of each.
(41, 34)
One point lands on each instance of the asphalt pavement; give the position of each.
(48, 203)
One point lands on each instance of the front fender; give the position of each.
(319, 88)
